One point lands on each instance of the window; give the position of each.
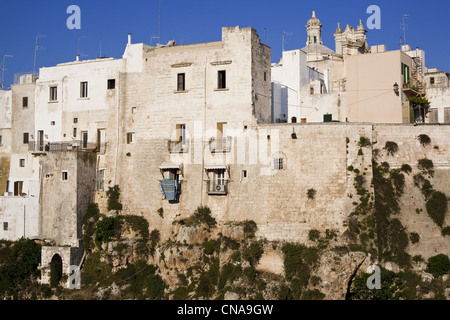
(75, 120)
(84, 139)
(74, 132)
(221, 81)
(18, 185)
(265, 76)
(25, 102)
(278, 163)
(100, 186)
(26, 137)
(315, 39)
(405, 73)
(111, 84)
(244, 173)
(65, 176)
(294, 120)
(130, 137)
(432, 80)
(22, 163)
(181, 133)
(221, 130)
(53, 93)
(52, 123)
(83, 89)
(311, 90)
(181, 84)
(5, 226)
(1, 138)
(133, 110)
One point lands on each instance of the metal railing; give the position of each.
(221, 145)
(178, 146)
(62, 146)
(218, 188)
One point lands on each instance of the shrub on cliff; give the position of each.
(201, 215)
(437, 207)
(438, 265)
(113, 194)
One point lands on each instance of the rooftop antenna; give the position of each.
(3, 69)
(404, 27)
(36, 49)
(284, 36)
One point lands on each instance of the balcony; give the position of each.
(220, 145)
(171, 189)
(63, 146)
(178, 146)
(217, 187)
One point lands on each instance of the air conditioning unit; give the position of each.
(220, 188)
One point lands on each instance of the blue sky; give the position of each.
(195, 21)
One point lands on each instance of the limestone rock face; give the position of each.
(335, 270)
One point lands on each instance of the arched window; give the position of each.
(294, 119)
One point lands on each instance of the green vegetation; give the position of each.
(18, 269)
(424, 139)
(311, 193)
(391, 147)
(364, 142)
(426, 165)
(201, 216)
(253, 253)
(406, 168)
(113, 194)
(438, 265)
(437, 207)
(414, 237)
(445, 231)
(314, 234)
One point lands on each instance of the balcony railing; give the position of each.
(178, 146)
(217, 188)
(221, 145)
(60, 146)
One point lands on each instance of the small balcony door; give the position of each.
(41, 140)
(84, 139)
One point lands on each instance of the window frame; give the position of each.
(84, 89)
(131, 137)
(181, 82)
(278, 163)
(64, 175)
(53, 93)
(26, 138)
(25, 102)
(22, 163)
(221, 79)
(111, 84)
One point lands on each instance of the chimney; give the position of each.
(129, 38)
(78, 57)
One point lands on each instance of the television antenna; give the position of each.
(3, 69)
(284, 36)
(36, 49)
(404, 27)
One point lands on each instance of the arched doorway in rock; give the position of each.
(56, 268)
